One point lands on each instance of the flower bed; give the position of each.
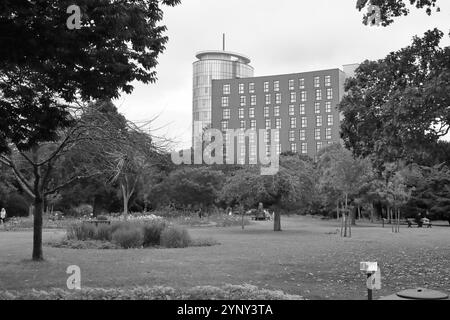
(226, 292)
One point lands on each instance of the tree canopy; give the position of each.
(398, 107)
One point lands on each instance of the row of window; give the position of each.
(268, 122)
(268, 98)
(276, 85)
(292, 135)
(293, 148)
(226, 113)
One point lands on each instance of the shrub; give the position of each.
(152, 232)
(175, 237)
(226, 292)
(81, 231)
(102, 218)
(128, 237)
(103, 232)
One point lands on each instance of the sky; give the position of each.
(282, 36)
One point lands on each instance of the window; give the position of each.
(241, 113)
(252, 157)
(276, 86)
(266, 86)
(293, 147)
(267, 98)
(276, 136)
(302, 134)
(329, 93)
(319, 145)
(276, 111)
(243, 101)
(291, 84)
(241, 155)
(226, 89)
(318, 121)
(226, 114)
(327, 81)
(292, 135)
(317, 107)
(301, 83)
(266, 136)
(241, 88)
(242, 124)
(293, 123)
(225, 102)
(241, 138)
(266, 112)
(251, 112)
(278, 98)
(278, 149)
(252, 124)
(291, 110)
(328, 133)
(317, 133)
(293, 97)
(304, 122)
(302, 108)
(316, 82)
(330, 119)
(318, 94)
(328, 106)
(278, 123)
(251, 87)
(253, 100)
(267, 151)
(268, 124)
(224, 125)
(304, 148)
(303, 96)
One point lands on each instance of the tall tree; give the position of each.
(397, 107)
(44, 67)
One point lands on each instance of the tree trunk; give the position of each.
(353, 215)
(125, 202)
(337, 210)
(38, 254)
(277, 221)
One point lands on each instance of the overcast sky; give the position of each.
(282, 36)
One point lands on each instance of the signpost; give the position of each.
(373, 277)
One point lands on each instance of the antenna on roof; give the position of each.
(224, 42)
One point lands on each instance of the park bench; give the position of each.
(410, 222)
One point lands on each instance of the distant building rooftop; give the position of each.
(238, 56)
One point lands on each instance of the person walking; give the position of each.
(2, 215)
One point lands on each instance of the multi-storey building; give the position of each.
(303, 106)
(213, 65)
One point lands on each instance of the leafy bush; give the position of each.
(81, 231)
(175, 237)
(102, 218)
(128, 237)
(103, 232)
(152, 232)
(85, 244)
(227, 292)
(16, 206)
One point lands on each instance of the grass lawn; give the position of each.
(307, 258)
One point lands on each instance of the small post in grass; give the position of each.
(373, 277)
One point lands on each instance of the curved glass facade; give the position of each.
(213, 65)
